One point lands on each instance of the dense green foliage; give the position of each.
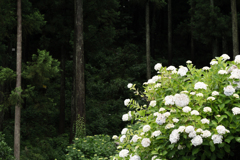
(6, 153)
(91, 148)
(114, 47)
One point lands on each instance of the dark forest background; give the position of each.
(115, 55)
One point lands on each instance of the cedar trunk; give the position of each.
(148, 41)
(234, 28)
(169, 32)
(18, 83)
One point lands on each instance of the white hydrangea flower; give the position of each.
(146, 142)
(175, 120)
(180, 147)
(167, 114)
(236, 95)
(124, 131)
(192, 134)
(205, 121)
(127, 102)
(217, 139)
(135, 157)
(211, 98)
(205, 68)
(135, 138)
(207, 109)
(142, 133)
(157, 85)
(169, 125)
(200, 85)
(199, 95)
(118, 147)
(222, 72)
(156, 133)
(156, 114)
(122, 138)
(171, 68)
(235, 74)
(150, 81)
(229, 90)
(221, 129)
(182, 71)
(174, 72)
(225, 57)
(189, 129)
(123, 153)
(189, 62)
(215, 93)
(158, 66)
(169, 100)
(181, 100)
(195, 112)
(186, 109)
(199, 130)
(161, 109)
(161, 119)
(192, 93)
(196, 141)
(206, 133)
(173, 111)
(184, 92)
(236, 110)
(174, 136)
(237, 59)
(213, 62)
(146, 128)
(153, 103)
(115, 137)
(156, 78)
(181, 129)
(125, 117)
(129, 85)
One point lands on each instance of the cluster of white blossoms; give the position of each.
(135, 157)
(205, 68)
(124, 130)
(197, 140)
(213, 62)
(122, 138)
(127, 102)
(186, 109)
(181, 100)
(211, 98)
(135, 138)
(169, 126)
(215, 93)
(207, 109)
(158, 66)
(195, 112)
(129, 85)
(217, 139)
(162, 109)
(174, 136)
(206, 134)
(221, 130)
(127, 117)
(123, 153)
(146, 142)
(175, 120)
(153, 103)
(235, 74)
(222, 72)
(182, 71)
(200, 85)
(229, 90)
(161, 119)
(199, 95)
(156, 133)
(236, 95)
(205, 121)
(169, 100)
(146, 128)
(171, 68)
(237, 59)
(225, 57)
(236, 110)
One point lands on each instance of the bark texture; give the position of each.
(169, 32)
(148, 41)
(234, 28)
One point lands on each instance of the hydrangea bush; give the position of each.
(189, 114)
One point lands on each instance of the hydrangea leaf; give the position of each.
(212, 147)
(195, 151)
(213, 157)
(237, 139)
(229, 138)
(227, 148)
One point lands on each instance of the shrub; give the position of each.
(190, 114)
(6, 153)
(91, 147)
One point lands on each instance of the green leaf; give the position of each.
(164, 153)
(221, 106)
(203, 157)
(154, 152)
(229, 138)
(208, 153)
(227, 148)
(171, 153)
(213, 157)
(237, 139)
(162, 137)
(195, 151)
(212, 147)
(141, 113)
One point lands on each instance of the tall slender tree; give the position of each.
(18, 82)
(169, 32)
(148, 40)
(234, 28)
(214, 38)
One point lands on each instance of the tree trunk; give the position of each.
(192, 39)
(169, 32)
(234, 28)
(148, 41)
(18, 83)
(62, 94)
(79, 97)
(214, 39)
